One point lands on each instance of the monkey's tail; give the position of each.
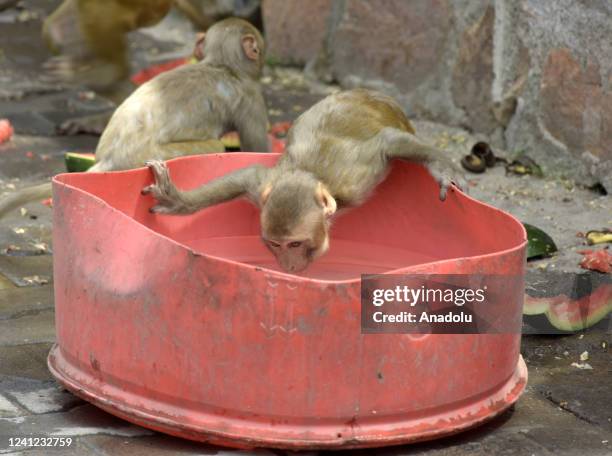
(23, 196)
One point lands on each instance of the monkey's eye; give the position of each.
(294, 244)
(274, 244)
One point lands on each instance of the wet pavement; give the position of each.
(565, 410)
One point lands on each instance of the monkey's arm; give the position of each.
(252, 126)
(403, 145)
(171, 200)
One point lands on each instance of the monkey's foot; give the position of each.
(163, 190)
(447, 174)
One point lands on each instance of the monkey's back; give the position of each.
(337, 140)
(189, 103)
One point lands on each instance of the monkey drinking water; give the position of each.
(185, 111)
(336, 154)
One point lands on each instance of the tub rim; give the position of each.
(57, 180)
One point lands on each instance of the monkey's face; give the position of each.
(295, 220)
(307, 242)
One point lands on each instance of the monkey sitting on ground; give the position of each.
(90, 37)
(185, 111)
(336, 153)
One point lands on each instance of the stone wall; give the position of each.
(533, 75)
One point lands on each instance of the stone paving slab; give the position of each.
(5, 284)
(36, 158)
(18, 302)
(44, 400)
(22, 271)
(37, 396)
(51, 110)
(28, 361)
(30, 329)
(161, 445)
(79, 421)
(8, 409)
(584, 393)
(76, 449)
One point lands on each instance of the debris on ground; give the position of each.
(40, 247)
(36, 280)
(599, 237)
(480, 158)
(483, 151)
(596, 260)
(473, 164)
(539, 243)
(523, 165)
(6, 130)
(582, 366)
(584, 356)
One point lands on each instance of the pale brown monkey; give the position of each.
(90, 35)
(90, 38)
(185, 111)
(336, 153)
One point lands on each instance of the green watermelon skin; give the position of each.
(78, 163)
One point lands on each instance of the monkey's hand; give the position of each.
(446, 174)
(164, 191)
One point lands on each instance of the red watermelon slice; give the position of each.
(149, 73)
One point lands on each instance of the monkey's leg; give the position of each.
(252, 125)
(171, 200)
(406, 146)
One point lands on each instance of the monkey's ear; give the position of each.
(324, 198)
(250, 46)
(198, 49)
(263, 197)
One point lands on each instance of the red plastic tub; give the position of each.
(186, 325)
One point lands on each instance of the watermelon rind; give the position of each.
(78, 163)
(566, 314)
(539, 244)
